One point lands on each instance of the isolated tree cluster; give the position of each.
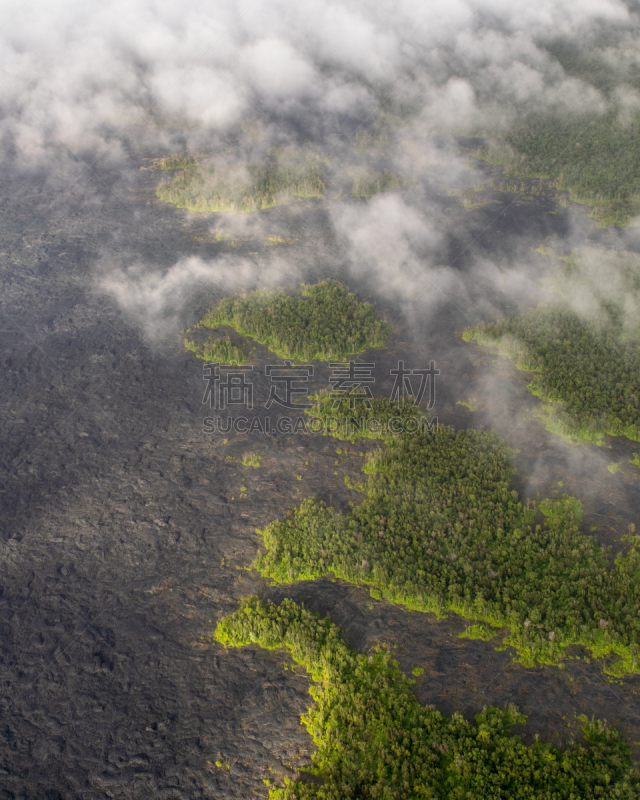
(325, 322)
(223, 350)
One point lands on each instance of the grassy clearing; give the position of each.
(325, 322)
(440, 530)
(375, 741)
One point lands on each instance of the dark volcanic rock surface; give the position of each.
(124, 536)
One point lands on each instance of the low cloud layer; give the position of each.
(82, 74)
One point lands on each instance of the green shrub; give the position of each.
(252, 460)
(223, 351)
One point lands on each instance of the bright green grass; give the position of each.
(376, 742)
(325, 322)
(478, 632)
(440, 530)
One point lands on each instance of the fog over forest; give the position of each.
(259, 182)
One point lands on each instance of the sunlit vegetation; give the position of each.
(589, 371)
(367, 181)
(325, 322)
(223, 351)
(440, 530)
(177, 162)
(240, 187)
(360, 416)
(375, 741)
(252, 460)
(478, 632)
(471, 405)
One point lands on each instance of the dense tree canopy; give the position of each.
(440, 530)
(595, 158)
(325, 322)
(591, 371)
(376, 742)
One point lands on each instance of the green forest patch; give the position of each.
(589, 372)
(362, 417)
(592, 157)
(325, 322)
(374, 740)
(246, 187)
(223, 351)
(367, 181)
(440, 530)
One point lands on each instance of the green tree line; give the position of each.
(376, 742)
(439, 529)
(589, 371)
